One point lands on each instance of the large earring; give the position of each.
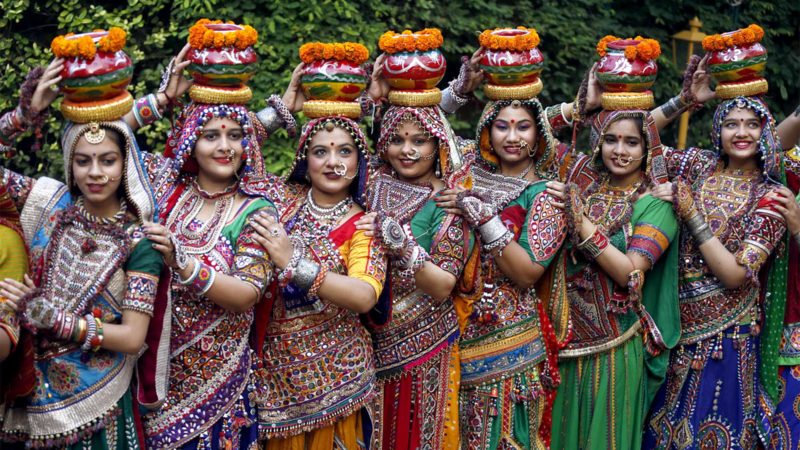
(438, 171)
(307, 177)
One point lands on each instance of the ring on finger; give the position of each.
(274, 232)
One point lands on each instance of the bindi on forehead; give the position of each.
(222, 126)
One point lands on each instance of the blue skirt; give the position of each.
(712, 397)
(786, 422)
(237, 429)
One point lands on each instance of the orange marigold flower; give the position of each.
(602, 46)
(113, 41)
(631, 52)
(494, 40)
(208, 39)
(86, 48)
(739, 38)
(200, 36)
(219, 40)
(649, 49)
(423, 40)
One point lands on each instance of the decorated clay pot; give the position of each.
(509, 67)
(414, 70)
(104, 77)
(332, 80)
(616, 73)
(738, 64)
(225, 67)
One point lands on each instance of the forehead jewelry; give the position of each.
(329, 126)
(516, 104)
(95, 135)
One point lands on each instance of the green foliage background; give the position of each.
(157, 29)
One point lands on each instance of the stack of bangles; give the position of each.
(495, 235)
(594, 245)
(145, 110)
(414, 262)
(201, 279)
(699, 229)
(305, 274)
(94, 333)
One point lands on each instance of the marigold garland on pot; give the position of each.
(646, 49)
(408, 41)
(345, 51)
(739, 38)
(200, 36)
(518, 42)
(84, 46)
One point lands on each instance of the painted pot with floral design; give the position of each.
(738, 64)
(617, 73)
(505, 67)
(416, 70)
(104, 76)
(226, 66)
(333, 80)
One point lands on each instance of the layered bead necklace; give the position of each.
(89, 244)
(327, 214)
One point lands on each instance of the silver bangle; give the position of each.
(211, 279)
(699, 229)
(195, 271)
(304, 274)
(451, 102)
(269, 118)
(492, 230)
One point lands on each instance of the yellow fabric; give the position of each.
(451, 431)
(13, 258)
(364, 260)
(13, 264)
(347, 431)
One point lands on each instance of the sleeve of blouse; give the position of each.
(544, 230)
(142, 269)
(251, 262)
(653, 232)
(763, 235)
(18, 186)
(451, 245)
(555, 116)
(161, 171)
(366, 261)
(13, 264)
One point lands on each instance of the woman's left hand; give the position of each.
(272, 236)
(663, 191)
(162, 242)
(178, 84)
(367, 223)
(701, 82)
(787, 205)
(558, 190)
(12, 290)
(446, 199)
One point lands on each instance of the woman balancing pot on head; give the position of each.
(95, 272)
(416, 346)
(621, 272)
(316, 370)
(209, 182)
(513, 329)
(722, 378)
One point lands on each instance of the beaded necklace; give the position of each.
(610, 206)
(89, 244)
(327, 214)
(211, 196)
(181, 219)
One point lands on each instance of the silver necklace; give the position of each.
(327, 213)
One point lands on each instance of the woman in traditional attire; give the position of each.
(416, 344)
(722, 378)
(96, 276)
(316, 374)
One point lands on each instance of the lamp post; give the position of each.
(691, 36)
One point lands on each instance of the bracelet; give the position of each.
(145, 110)
(492, 230)
(451, 101)
(91, 332)
(195, 271)
(287, 274)
(699, 229)
(97, 342)
(11, 126)
(318, 280)
(81, 330)
(204, 279)
(305, 274)
(496, 247)
(673, 107)
(595, 244)
(181, 259)
(415, 262)
(283, 114)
